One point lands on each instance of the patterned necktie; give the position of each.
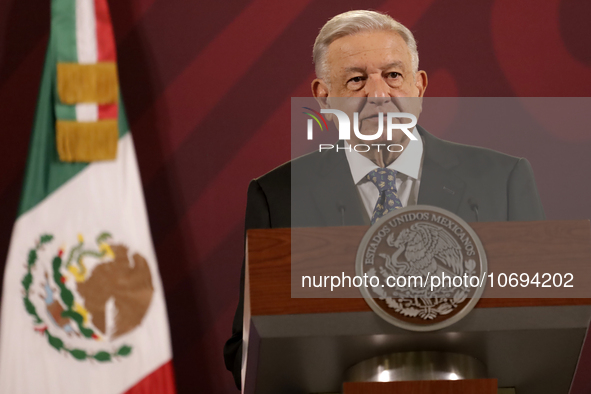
(385, 181)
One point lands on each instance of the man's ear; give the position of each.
(320, 92)
(421, 82)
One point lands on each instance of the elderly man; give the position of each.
(369, 61)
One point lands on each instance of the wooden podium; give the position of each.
(304, 345)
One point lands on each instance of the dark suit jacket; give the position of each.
(318, 190)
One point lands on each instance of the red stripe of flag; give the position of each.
(161, 381)
(104, 32)
(108, 111)
(105, 50)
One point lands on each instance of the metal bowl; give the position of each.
(397, 367)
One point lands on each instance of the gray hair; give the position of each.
(353, 22)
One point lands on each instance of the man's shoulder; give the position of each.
(503, 184)
(282, 176)
(472, 158)
(292, 180)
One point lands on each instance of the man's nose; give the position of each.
(377, 90)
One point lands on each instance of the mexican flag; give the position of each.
(83, 307)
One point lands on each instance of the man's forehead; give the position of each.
(385, 65)
(381, 48)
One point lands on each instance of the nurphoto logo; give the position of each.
(345, 129)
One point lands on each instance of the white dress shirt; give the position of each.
(408, 177)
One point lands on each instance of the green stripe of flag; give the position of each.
(65, 111)
(63, 27)
(44, 172)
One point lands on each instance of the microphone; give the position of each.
(342, 208)
(473, 202)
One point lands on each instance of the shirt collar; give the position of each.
(408, 163)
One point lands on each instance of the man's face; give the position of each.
(374, 70)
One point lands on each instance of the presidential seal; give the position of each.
(425, 268)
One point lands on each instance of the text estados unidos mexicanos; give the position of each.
(448, 281)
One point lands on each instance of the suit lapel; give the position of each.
(336, 191)
(440, 187)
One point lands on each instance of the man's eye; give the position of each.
(394, 74)
(356, 79)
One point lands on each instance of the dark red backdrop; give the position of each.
(183, 64)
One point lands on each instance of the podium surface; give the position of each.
(304, 345)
